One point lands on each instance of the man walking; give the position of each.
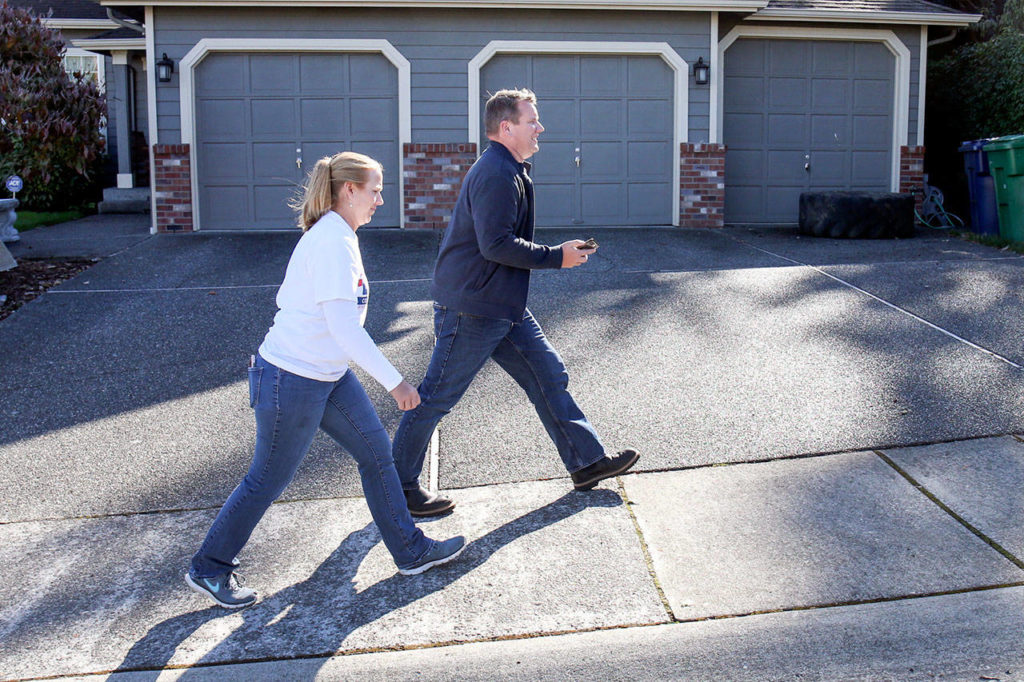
(481, 282)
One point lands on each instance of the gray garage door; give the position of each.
(804, 115)
(606, 155)
(262, 121)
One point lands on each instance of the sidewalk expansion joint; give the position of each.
(944, 507)
(646, 552)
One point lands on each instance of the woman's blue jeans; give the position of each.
(289, 409)
(463, 344)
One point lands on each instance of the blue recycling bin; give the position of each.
(982, 188)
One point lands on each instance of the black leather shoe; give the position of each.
(423, 503)
(587, 477)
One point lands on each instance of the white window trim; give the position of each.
(921, 79)
(680, 68)
(191, 60)
(901, 84)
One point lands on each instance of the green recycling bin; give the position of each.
(1006, 162)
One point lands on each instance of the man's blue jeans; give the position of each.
(463, 344)
(289, 409)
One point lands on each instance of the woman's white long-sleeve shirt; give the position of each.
(318, 329)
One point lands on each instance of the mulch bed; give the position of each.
(31, 278)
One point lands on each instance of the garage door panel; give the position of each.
(829, 59)
(555, 207)
(788, 57)
(272, 117)
(649, 202)
(785, 166)
(323, 74)
(222, 74)
(271, 159)
(745, 129)
(226, 205)
(554, 163)
(602, 75)
(602, 202)
(869, 59)
(647, 77)
(749, 196)
(868, 167)
(648, 118)
(558, 117)
(555, 74)
(829, 130)
(323, 117)
(602, 118)
(788, 94)
(504, 71)
(830, 93)
(745, 164)
(872, 96)
(372, 117)
(270, 202)
(223, 160)
(787, 130)
(274, 74)
(829, 168)
(372, 73)
(870, 131)
(645, 160)
(744, 91)
(747, 57)
(602, 160)
(224, 119)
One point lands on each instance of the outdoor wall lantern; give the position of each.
(165, 67)
(701, 71)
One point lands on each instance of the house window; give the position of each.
(89, 64)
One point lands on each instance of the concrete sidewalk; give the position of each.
(830, 485)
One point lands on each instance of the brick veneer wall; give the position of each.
(433, 176)
(702, 185)
(172, 188)
(912, 172)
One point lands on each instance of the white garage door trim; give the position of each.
(207, 45)
(680, 68)
(901, 89)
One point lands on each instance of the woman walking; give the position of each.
(300, 380)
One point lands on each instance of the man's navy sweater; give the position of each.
(484, 264)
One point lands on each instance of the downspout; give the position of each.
(937, 41)
(126, 23)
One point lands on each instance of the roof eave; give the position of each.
(664, 5)
(110, 44)
(839, 16)
(80, 24)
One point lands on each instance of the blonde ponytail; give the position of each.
(327, 179)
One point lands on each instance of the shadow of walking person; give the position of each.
(314, 618)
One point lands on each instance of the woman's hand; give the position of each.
(406, 396)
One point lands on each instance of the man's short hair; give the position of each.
(504, 106)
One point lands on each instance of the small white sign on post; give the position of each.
(8, 233)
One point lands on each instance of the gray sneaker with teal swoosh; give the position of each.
(225, 590)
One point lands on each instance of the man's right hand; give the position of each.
(572, 255)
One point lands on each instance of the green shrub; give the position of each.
(49, 124)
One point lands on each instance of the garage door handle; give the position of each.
(807, 166)
(577, 159)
